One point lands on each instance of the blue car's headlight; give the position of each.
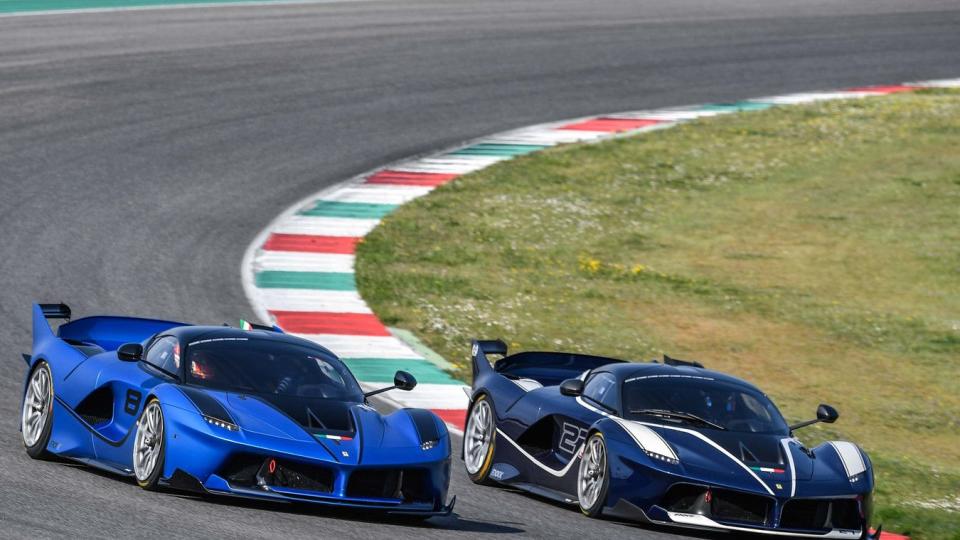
(229, 426)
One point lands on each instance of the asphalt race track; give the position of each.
(141, 152)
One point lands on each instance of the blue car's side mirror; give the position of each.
(130, 352)
(401, 381)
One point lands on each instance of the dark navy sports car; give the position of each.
(668, 443)
(245, 412)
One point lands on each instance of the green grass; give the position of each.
(813, 250)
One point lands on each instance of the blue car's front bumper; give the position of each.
(354, 473)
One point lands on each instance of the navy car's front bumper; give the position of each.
(656, 515)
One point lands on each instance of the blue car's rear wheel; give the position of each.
(36, 418)
(593, 479)
(149, 446)
(479, 438)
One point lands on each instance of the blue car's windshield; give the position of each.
(261, 366)
(700, 402)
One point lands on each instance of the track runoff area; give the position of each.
(299, 272)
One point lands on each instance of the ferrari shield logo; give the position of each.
(779, 486)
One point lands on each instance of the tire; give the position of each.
(593, 477)
(479, 441)
(36, 415)
(149, 446)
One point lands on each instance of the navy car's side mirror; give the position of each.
(130, 352)
(825, 414)
(401, 381)
(404, 381)
(571, 387)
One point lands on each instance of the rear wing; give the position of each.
(547, 368)
(55, 311)
(88, 334)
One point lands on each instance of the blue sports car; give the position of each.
(668, 443)
(249, 412)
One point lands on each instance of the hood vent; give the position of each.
(746, 455)
(313, 421)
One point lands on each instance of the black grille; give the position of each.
(718, 504)
(734, 506)
(241, 470)
(244, 470)
(820, 514)
(685, 498)
(410, 485)
(291, 474)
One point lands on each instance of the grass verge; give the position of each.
(814, 250)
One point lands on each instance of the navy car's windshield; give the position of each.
(263, 366)
(700, 402)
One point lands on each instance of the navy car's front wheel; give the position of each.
(478, 440)
(593, 479)
(36, 418)
(149, 446)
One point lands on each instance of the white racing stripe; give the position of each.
(850, 456)
(810, 97)
(646, 438)
(559, 473)
(445, 166)
(326, 226)
(547, 137)
(297, 261)
(378, 194)
(793, 470)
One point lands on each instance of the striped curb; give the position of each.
(299, 271)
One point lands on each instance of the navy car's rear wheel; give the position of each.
(149, 446)
(479, 438)
(593, 479)
(36, 418)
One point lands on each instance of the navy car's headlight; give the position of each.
(428, 445)
(661, 457)
(229, 426)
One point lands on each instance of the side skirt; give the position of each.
(547, 493)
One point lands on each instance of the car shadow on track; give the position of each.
(453, 522)
(652, 527)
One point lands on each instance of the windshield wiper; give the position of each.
(689, 417)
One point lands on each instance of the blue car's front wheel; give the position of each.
(36, 418)
(593, 478)
(149, 446)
